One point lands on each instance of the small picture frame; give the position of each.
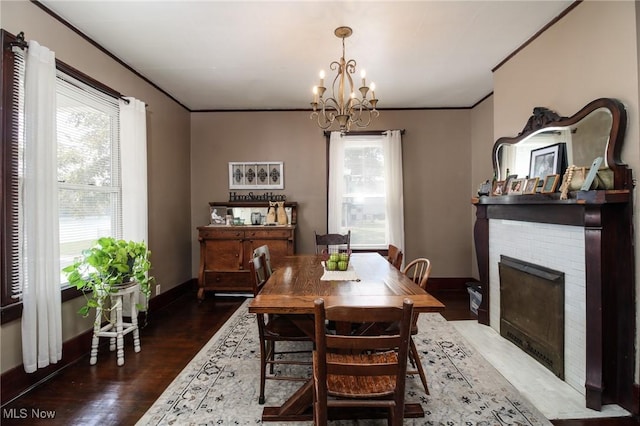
(217, 215)
(531, 185)
(498, 188)
(516, 186)
(507, 183)
(550, 183)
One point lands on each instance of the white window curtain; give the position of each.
(336, 185)
(392, 143)
(394, 187)
(133, 166)
(41, 314)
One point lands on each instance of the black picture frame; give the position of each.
(548, 160)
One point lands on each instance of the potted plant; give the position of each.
(107, 266)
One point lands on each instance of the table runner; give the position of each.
(348, 275)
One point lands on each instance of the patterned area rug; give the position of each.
(220, 385)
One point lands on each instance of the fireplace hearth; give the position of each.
(532, 311)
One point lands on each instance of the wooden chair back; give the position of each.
(259, 272)
(341, 361)
(394, 256)
(264, 249)
(418, 270)
(330, 243)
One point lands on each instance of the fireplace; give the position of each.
(532, 310)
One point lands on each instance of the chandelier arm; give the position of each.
(321, 119)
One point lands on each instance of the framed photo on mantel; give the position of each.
(256, 175)
(548, 160)
(550, 184)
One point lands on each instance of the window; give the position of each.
(364, 194)
(88, 167)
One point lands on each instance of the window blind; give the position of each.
(88, 166)
(14, 189)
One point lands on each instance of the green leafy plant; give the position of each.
(107, 266)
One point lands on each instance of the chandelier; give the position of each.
(343, 106)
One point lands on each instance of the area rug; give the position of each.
(220, 385)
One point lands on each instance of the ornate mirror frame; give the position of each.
(544, 119)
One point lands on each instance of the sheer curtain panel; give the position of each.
(133, 142)
(336, 184)
(394, 187)
(41, 315)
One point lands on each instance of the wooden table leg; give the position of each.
(297, 407)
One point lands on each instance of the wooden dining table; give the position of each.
(296, 284)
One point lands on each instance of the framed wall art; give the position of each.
(256, 175)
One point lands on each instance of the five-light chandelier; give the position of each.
(343, 106)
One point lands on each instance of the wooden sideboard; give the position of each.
(225, 252)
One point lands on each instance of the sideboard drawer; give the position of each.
(222, 234)
(272, 233)
(227, 281)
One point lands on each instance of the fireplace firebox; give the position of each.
(532, 310)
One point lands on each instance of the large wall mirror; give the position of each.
(597, 130)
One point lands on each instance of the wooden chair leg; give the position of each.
(272, 355)
(416, 357)
(263, 370)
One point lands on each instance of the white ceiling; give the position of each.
(267, 54)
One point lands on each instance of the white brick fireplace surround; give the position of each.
(559, 247)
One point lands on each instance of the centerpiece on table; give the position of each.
(337, 261)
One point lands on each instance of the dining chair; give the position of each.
(329, 243)
(418, 271)
(351, 371)
(272, 329)
(394, 256)
(264, 249)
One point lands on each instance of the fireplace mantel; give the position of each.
(606, 217)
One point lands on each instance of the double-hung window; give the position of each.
(365, 189)
(88, 168)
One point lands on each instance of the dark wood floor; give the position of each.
(106, 394)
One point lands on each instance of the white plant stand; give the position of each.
(116, 329)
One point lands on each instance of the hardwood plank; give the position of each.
(106, 394)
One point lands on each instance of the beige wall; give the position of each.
(188, 156)
(168, 157)
(436, 174)
(482, 141)
(591, 53)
